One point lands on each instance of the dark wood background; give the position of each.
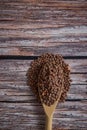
(29, 28)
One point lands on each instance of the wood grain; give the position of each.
(15, 70)
(19, 106)
(35, 27)
(19, 93)
(67, 115)
(30, 28)
(76, 65)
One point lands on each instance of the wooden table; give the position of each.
(29, 28)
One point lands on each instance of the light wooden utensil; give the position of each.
(49, 110)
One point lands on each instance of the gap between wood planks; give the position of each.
(16, 57)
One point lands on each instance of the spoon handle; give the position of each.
(48, 122)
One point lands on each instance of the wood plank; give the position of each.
(70, 115)
(13, 80)
(21, 77)
(76, 65)
(34, 27)
(15, 71)
(63, 49)
(20, 93)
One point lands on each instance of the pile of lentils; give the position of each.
(50, 75)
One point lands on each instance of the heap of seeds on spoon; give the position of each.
(48, 73)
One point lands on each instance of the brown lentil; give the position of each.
(49, 73)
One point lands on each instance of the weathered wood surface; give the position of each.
(32, 27)
(18, 105)
(76, 65)
(23, 116)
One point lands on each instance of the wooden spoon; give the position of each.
(49, 111)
